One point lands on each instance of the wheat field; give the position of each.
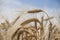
(23, 31)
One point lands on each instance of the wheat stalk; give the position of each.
(29, 20)
(15, 20)
(48, 18)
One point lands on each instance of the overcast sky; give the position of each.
(9, 8)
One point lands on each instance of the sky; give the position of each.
(42, 3)
(11, 8)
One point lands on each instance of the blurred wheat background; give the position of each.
(29, 20)
(32, 28)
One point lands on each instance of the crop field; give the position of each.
(39, 28)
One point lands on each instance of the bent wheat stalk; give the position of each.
(29, 20)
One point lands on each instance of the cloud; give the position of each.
(10, 9)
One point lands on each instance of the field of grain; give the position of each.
(24, 31)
